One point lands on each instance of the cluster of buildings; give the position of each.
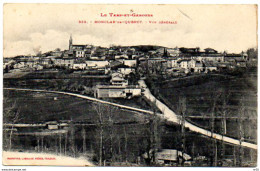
(119, 88)
(120, 61)
(191, 60)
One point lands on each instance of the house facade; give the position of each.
(81, 66)
(96, 63)
(80, 53)
(63, 62)
(126, 70)
(172, 63)
(210, 57)
(118, 79)
(114, 91)
(130, 63)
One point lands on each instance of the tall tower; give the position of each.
(165, 53)
(70, 43)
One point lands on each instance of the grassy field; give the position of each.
(40, 107)
(127, 140)
(235, 92)
(60, 80)
(131, 140)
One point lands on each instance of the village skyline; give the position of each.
(222, 27)
(38, 50)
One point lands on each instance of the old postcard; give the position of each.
(130, 85)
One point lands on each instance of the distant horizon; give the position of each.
(130, 46)
(31, 28)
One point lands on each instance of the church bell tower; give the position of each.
(70, 43)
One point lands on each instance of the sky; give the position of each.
(33, 28)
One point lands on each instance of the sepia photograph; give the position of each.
(130, 85)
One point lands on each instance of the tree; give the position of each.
(213, 113)
(125, 144)
(60, 144)
(105, 125)
(111, 111)
(100, 112)
(252, 53)
(241, 131)
(6, 69)
(73, 148)
(11, 115)
(57, 49)
(83, 133)
(132, 79)
(224, 112)
(212, 129)
(153, 136)
(183, 117)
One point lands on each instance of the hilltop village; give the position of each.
(206, 102)
(126, 64)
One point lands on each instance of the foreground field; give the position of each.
(229, 96)
(128, 140)
(35, 107)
